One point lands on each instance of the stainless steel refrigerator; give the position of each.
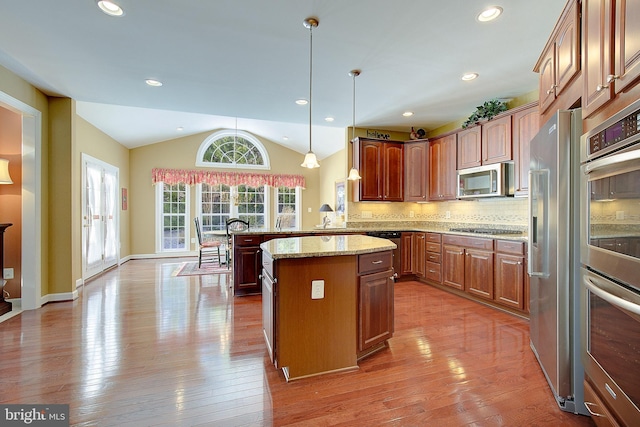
(553, 264)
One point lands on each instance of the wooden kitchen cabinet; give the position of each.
(611, 53)
(478, 273)
(407, 253)
(375, 310)
(268, 306)
(381, 165)
(434, 258)
(526, 124)
(442, 168)
(246, 264)
(470, 147)
(453, 266)
(559, 62)
(419, 252)
(510, 274)
(496, 140)
(416, 157)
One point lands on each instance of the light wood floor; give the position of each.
(143, 348)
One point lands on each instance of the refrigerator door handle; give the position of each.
(538, 254)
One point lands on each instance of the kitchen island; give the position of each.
(327, 301)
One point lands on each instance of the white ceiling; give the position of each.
(249, 59)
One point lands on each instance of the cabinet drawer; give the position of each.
(433, 247)
(433, 257)
(510, 247)
(434, 272)
(600, 414)
(377, 261)
(434, 237)
(468, 242)
(247, 240)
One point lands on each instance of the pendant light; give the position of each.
(310, 160)
(353, 173)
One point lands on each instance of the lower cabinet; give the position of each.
(419, 249)
(434, 258)
(478, 273)
(375, 302)
(510, 274)
(452, 265)
(600, 413)
(268, 310)
(246, 264)
(407, 253)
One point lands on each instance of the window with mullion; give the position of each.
(251, 205)
(174, 212)
(215, 206)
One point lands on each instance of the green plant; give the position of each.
(485, 111)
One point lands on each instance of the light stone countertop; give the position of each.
(319, 246)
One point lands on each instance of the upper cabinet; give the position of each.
(381, 165)
(442, 168)
(416, 157)
(526, 124)
(486, 144)
(611, 51)
(559, 63)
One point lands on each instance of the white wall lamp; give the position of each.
(354, 175)
(310, 160)
(5, 178)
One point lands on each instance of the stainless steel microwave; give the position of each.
(494, 180)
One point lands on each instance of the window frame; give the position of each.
(298, 205)
(232, 132)
(160, 220)
(233, 209)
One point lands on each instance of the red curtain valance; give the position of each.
(191, 177)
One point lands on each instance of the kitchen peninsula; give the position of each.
(327, 301)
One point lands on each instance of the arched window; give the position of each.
(232, 149)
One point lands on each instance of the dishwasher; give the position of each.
(394, 236)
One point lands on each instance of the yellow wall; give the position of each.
(181, 154)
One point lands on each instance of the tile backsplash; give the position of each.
(495, 211)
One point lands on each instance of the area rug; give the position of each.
(191, 269)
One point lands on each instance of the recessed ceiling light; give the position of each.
(469, 76)
(302, 102)
(153, 82)
(329, 119)
(110, 8)
(179, 128)
(490, 13)
(407, 113)
(286, 138)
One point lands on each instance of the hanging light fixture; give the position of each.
(310, 160)
(353, 173)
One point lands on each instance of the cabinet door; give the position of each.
(442, 168)
(407, 253)
(371, 153)
(246, 270)
(470, 147)
(596, 52)
(453, 266)
(625, 186)
(415, 171)
(419, 251)
(526, 124)
(375, 316)
(547, 78)
(393, 172)
(568, 48)
(268, 314)
(627, 43)
(478, 273)
(496, 140)
(509, 281)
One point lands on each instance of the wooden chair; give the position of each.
(209, 249)
(234, 224)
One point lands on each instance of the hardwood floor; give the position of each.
(143, 348)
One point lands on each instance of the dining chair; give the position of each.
(234, 224)
(209, 249)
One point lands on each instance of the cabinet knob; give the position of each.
(550, 91)
(600, 87)
(519, 262)
(612, 77)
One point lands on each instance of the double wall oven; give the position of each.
(610, 266)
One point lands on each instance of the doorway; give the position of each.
(100, 221)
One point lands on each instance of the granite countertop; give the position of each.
(318, 246)
(425, 228)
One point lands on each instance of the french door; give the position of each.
(100, 225)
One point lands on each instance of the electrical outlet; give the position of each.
(309, 210)
(367, 214)
(317, 289)
(411, 214)
(7, 273)
(619, 215)
(447, 214)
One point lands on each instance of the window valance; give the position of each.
(191, 177)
